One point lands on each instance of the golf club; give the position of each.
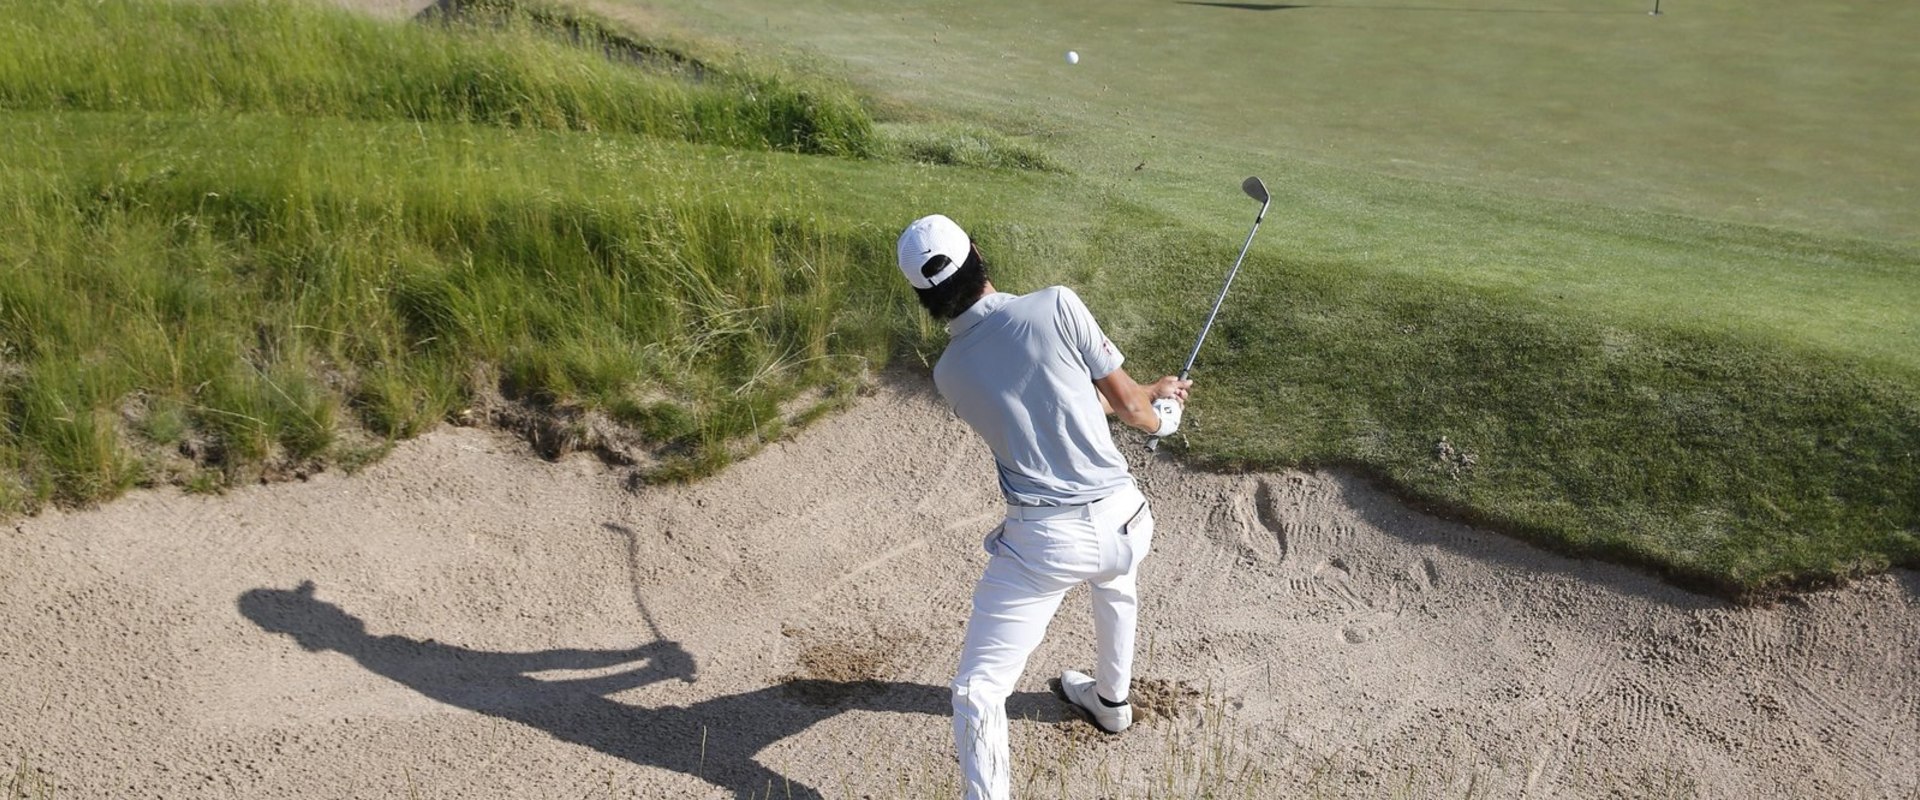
(633, 572)
(1258, 191)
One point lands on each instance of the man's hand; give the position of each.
(1169, 400)
(1170, 386)
(1133, 403)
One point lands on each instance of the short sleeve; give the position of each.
(1083, 334)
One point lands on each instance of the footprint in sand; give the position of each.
(1367, 627)
(1333, 571)
(1369, 617)
(1248, 523)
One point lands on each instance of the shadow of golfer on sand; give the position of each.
(715, 740)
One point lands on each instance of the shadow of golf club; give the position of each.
(715, 740)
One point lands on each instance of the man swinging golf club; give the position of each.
(1036, 378)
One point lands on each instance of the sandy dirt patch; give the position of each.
(464, 620)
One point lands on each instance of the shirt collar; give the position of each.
(982, 308)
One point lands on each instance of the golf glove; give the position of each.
(1169, 411)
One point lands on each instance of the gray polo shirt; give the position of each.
(1020, 371)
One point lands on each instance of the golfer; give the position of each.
(1035, 377)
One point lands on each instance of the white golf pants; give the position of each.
(1037, 555)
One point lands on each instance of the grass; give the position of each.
(1791, 115)
(213, 271)
(511, 64)
(30, 783)
(1724, 462)
(245, 264)
(1671, 331)
(377, 292)
(960, 145)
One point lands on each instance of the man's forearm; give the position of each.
(1139, 410)
(1122, 396)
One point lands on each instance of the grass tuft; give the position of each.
(28, 782)
(965, 146)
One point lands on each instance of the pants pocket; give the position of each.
(991, 543)
(1137, 537)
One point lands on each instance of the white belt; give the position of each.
(1081, 511)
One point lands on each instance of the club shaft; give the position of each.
(1191, 357)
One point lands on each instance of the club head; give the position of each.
(1254, 189)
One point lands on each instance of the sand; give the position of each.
(467, 620)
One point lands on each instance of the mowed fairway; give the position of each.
(1790, 114)
(1794, 117)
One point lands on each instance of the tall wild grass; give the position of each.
(239, 237)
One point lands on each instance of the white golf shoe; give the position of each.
(1079, 691)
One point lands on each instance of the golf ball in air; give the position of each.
(1073, 57)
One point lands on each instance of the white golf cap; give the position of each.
(929, 236)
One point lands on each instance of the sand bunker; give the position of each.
(463, 620)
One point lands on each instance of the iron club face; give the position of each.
(1255, 189)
